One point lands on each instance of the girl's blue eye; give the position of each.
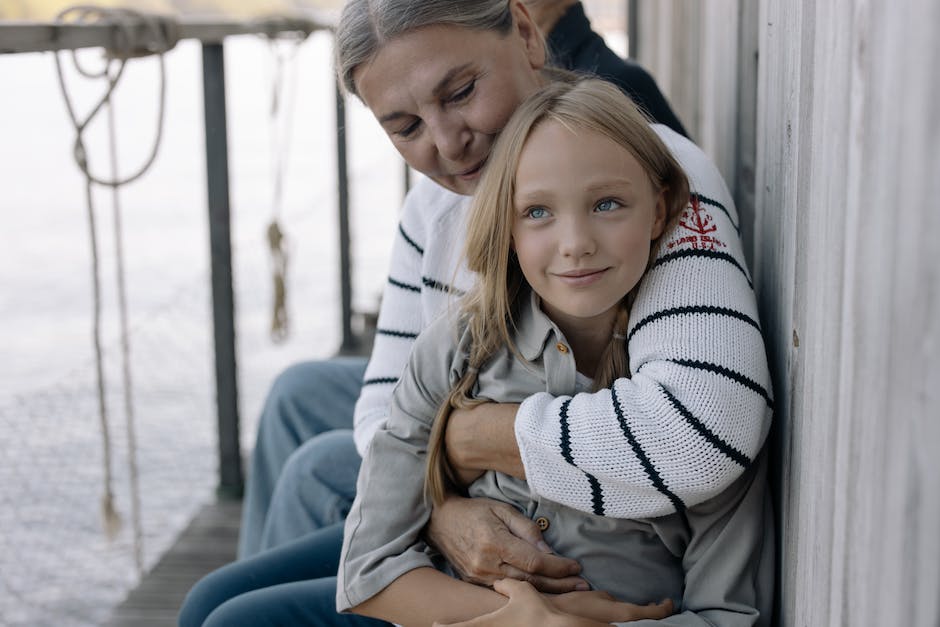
(608, 204)
(537, 213)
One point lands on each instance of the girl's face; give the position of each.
(585, 215)
(443, 93)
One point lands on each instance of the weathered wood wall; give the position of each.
(836, 139)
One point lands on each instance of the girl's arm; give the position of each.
(425, 595)
(525, 606)
(382, 536)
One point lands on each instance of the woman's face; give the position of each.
(443, 93)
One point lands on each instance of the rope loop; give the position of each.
(158, 35)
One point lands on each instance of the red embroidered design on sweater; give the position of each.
(696, 219)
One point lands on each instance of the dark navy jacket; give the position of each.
(574, 46)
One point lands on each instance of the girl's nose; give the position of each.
(577, 240)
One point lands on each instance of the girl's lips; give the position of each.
(580, 278)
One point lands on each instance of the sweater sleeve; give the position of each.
(698, 406)
(400, 320)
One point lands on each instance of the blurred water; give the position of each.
(56, 565)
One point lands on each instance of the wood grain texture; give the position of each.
(844, 243)
(208, 543)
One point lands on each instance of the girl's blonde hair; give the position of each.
(491, 306)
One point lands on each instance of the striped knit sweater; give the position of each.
(698, 406)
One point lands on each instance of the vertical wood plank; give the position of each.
(845, 242)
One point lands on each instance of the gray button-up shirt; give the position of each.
(715, 559)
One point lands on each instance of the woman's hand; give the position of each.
(483, 438)
(487, 540)
(577, 609)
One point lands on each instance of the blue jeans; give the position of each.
(293, 584)
(300, 480)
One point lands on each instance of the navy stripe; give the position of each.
(726, 372)
(692, 309)
(394, 333)
(715, 441)
(441, 287)
(705, 200)
(413, 244)
(644, 460)
(380, 381)
(711, 254)
(565, 433)
(597, 497)
(404, 286)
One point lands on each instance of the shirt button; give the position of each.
(542, 522)
(561, 347)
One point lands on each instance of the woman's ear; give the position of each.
(659, 222)
(531, 35)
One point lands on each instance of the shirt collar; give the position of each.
(569, 34)
(534, 328)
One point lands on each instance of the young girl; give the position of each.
(580, 201)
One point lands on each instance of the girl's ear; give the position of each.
(531, 35)
(659, 223)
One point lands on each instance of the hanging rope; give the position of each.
(160, 37)
(281, 126)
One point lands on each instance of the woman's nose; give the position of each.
(452, 137)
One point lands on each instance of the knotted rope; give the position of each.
(281, 123)
(161, 35)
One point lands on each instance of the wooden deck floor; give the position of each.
(208, 542)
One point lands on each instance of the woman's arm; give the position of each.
(698, 406)
(402, 315)
(483, 438)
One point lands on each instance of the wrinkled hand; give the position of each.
(486, 540)
(576, 609)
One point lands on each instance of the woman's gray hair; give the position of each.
(365, 25)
